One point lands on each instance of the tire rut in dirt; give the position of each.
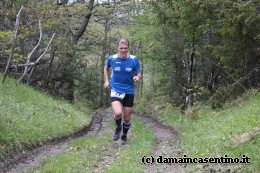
(26, 158)
(112, 150)
(166, 147)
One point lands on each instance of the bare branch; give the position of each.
(22, 65)
(38, 44)
(30, 55)
(53, 35)
(34, 66)
(13, 44)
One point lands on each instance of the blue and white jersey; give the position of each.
(123, 70)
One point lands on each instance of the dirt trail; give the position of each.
(30, 158)
(112, 150)
(166, 146)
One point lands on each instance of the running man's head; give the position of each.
(122, 47)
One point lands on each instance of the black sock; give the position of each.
(126, 127)
(118, 121)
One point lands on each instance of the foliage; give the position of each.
(224, 35)
(225, 45)
(219, 98)
(239, 27)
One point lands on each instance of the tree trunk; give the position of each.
(50, 66)
(75, 39)
(102, 101)
(84, 25)
(13, 44)
(189, 98)
(140, 84)
(142, 81)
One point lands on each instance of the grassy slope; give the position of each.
(210, 132)
(28, 116)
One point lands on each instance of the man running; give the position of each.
(125, 71)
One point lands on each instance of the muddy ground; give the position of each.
(166, 142)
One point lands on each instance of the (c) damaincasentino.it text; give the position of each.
(185, 159)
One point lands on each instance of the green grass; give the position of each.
(141, 143)
(86, 152)
(83, 155)
(29, 117)
(208, 134)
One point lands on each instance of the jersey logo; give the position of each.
(117, 69)
(128, 69)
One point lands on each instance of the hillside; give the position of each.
(29, 117)
(232, 131)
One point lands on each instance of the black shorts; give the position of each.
(127, 101)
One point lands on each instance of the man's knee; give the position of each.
(117, 107)
(127, 118)
(118, 114)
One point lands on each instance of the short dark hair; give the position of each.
(123, 41)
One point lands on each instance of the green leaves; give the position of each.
(238, 19)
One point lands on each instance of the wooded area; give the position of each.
(189, 50)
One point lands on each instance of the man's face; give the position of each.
(122, 50)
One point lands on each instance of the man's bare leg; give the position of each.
(117, 107)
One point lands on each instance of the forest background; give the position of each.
(195, 55)
(189, 50)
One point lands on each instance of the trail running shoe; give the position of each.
(123, 139)
(117, 133)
